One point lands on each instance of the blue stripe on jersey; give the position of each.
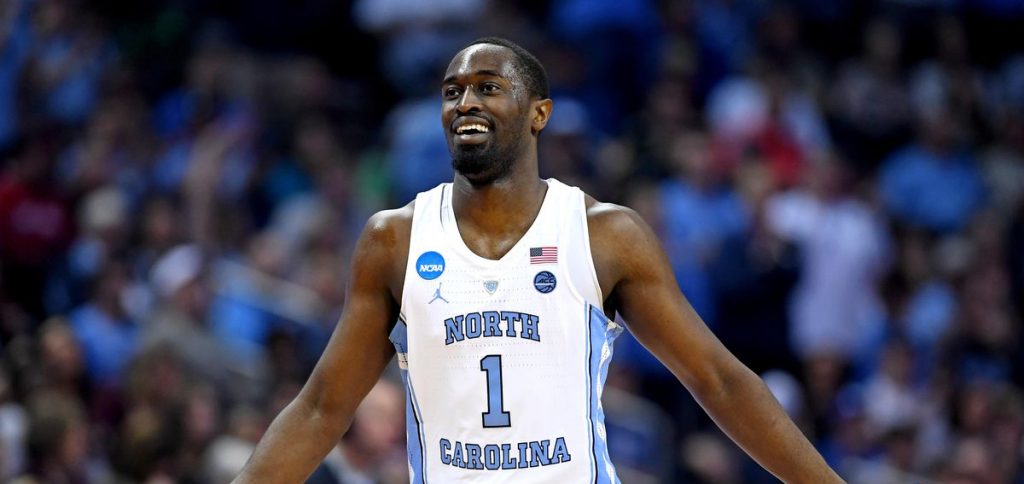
(602, 334)
(441, 212)
(418, 468)
(400, 336)
(590, 394)
(413, 427)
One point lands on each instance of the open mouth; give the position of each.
(472, 132)
(470, 129)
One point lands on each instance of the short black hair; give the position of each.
(535, 76)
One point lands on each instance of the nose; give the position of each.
(468, 102)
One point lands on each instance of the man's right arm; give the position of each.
(356, 355)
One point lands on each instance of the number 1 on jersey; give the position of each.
(495, 416)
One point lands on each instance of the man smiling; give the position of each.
(504, 378)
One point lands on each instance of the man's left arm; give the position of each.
(636, 276)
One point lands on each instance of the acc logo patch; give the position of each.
(430, 265)
(544, 282)
(490, 286)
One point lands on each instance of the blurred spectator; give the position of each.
(62, 365)
(35, 222)
(987, 344)
(971, 461)
(240, 315)
(824, 375)
(58, 441)
(71, 52)
(723, 31)
(700, 212)
(708, 458)
(202, 95)
(639, 433)
(760, 268)
(849, 439)
(869, 100)
(950, 81)
(1003, 161)
(669, 110)
(102, 233)
(229, 452)
(417, 36)
(925, 309)
(894, 463)
(1007, 430)
(15, 42)
(565, 147)
(181, 324)
(619, 44)
(768, 115)
(417, 154)
(1015, 261)
(13, 430)
(844, 250)
(933, 183)
(108, 337)
(145, 446)
(892, 402)
(112, 150)
(159, 229)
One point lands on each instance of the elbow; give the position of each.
(325, 409)
(720, 381)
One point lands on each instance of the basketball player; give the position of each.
(502, 285)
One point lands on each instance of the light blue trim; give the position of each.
(400, 337)
(590, 397)
(415, 439)
(602, 334)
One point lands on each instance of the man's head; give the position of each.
(495, 103)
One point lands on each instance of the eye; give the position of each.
(490, 87)
(451, 92)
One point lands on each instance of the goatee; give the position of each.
(481, 164)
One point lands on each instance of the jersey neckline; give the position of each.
(453, 232)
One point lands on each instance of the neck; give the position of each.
(506, 205)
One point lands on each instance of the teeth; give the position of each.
(478, 127)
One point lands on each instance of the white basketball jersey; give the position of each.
(504, 360)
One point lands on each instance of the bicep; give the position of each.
(656, 312)
(359, 348)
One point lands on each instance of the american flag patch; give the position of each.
(543, 255)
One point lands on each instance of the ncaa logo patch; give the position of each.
(430, 265)
(544, 282)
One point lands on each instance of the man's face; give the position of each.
(485, 112)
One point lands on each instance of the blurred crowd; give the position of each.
(839, 186)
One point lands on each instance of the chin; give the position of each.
(480, 168)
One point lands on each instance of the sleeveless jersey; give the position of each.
(504, 361)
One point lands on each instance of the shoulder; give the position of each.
(383, 248)
(389, 227)
(608, 220)
(621, 242)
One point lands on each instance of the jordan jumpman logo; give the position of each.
(437, 295)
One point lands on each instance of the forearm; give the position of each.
(293, 446)
(741, 405)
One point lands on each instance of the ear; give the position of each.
(540, 111)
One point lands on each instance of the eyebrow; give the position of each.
(483, 72)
